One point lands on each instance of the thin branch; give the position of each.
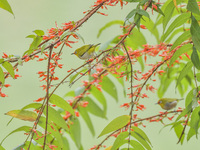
(47, 101)
(182, 133)
(140, 120)
(131, 111)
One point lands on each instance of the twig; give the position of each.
(47, 102)
(131, 111)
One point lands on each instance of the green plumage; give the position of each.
(86, 51)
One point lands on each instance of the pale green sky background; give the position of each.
(42, 14)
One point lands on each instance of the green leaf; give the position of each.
(179, 52)
(33, 105)
(65, 34)
(39, 32)
(180, 20)
(79, 36)
(136, 145)
(137, 38)
(195, 31)
(143, 13)
(9, 68)
(174, 34)
(190, 134)
(109, 87)
(60, 102)
(141, 140)
(1, 60)
(70, 94)
(178, 130)
(53, 129)
(193, 6)
(65, 143)
(55, 116)
(195, 58)
(184, 72)
(195, 119)
(6, 6)
(120, 140)
(74, 75)
(109, 24)
(93, 108)
(31, 36)
(131, 14)
(185, 36)
(100, 97)
(185, 111)
(23, 115)
(2, 79)
(75, 132)
(35, 43)
(83, 112)
(23, 128)
(150, 26)
(168, 14)
(116, 124)
(141, 133)
(1, 148)
(198, 77)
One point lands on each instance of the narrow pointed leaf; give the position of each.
(6, 6)
(60, 102)
(195, 58)
(180, 20)
(39, 32)
(56, 118)
(109, 87)
(168, 14)
(84, 113)
(151, 27)
(2, 79)
(93, 108)
(195, 119)
(179, 52)
(23, 128)
(75, 132)
(178, 130)
(184, 72)
(141, 133)
(116, 124)
(138, 137)
(100, 97)
(193, 6)
(120, 140)
(195, 31)
(109, 24)
(183, 37)
(23, 115)
(136, 145)
(9, 68)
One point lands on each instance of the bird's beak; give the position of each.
(156, 103)
(72, 53)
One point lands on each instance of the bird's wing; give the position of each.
(87, 49)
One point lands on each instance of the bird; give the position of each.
(86, 51)
(168, 103)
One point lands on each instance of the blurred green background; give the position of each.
(42, 14)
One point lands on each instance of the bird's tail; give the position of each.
(97, 44)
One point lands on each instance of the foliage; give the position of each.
(118, 59)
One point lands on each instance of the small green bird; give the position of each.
(168, 103)
(86, 51)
